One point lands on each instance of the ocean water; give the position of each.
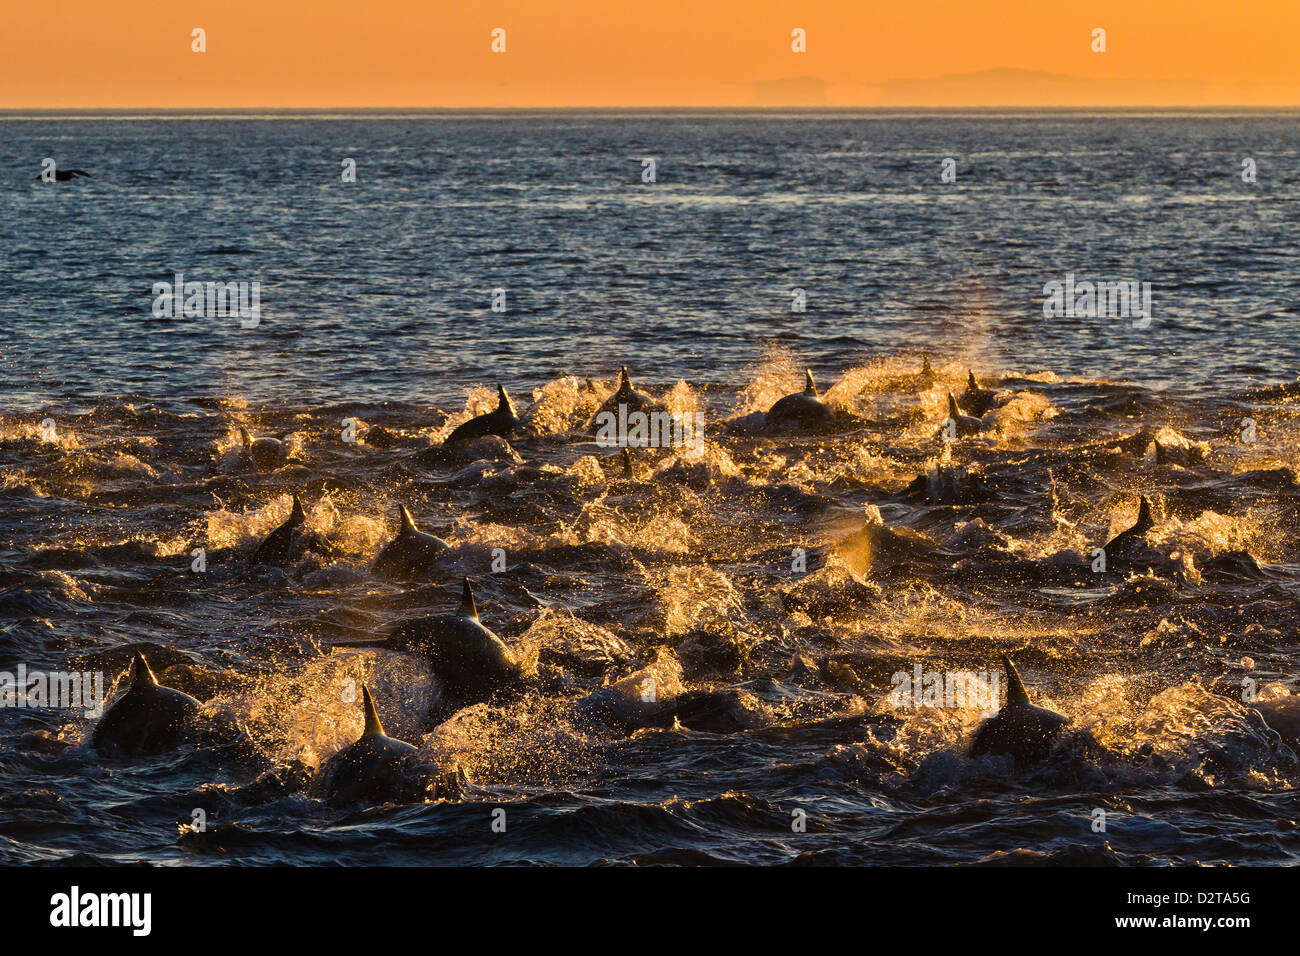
(769, 590)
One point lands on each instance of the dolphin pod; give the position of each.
(501, 421)
(475, 664)
(804, 409)
(411, 552)
(148, 718)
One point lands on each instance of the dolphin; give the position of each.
(411, 552)
(1116, 545)
(1026, 732)
(922, 379)
(1135, 444)
(1283, 716)
(876, 545)
(370, 768)
(966, 424)
(625, 394)
(501, 421)
(1178, 453)
(148, 718)
(976, 400)
(276, 546)
(469, 658)
(712, 711)
(947, 484)
(63, 175)
(266, 453)
(804, 408)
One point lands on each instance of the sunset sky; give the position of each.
(616, 53)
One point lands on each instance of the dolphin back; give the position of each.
(149, 718)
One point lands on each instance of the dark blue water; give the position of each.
(772, 679)
(381, 289)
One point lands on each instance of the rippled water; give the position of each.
(772, 675)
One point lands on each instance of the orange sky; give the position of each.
(431, 53)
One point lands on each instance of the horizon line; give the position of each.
(767, 108)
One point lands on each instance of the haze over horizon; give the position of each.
(582, 53)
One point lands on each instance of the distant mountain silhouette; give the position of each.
(790, 91)
(1011, 87)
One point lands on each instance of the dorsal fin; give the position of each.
(925, 366)
(1144, 515)
(627, 463)
(245, 437)
(953, 410)
(503, 401)
(1016, 693)
(1160, 451)
(141, 675)
(970, 380)
(408, 523)
(467, 608)
(624, 381)
(297, 515)
(373, 726)
(808, 387)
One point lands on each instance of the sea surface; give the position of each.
(768, 592)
